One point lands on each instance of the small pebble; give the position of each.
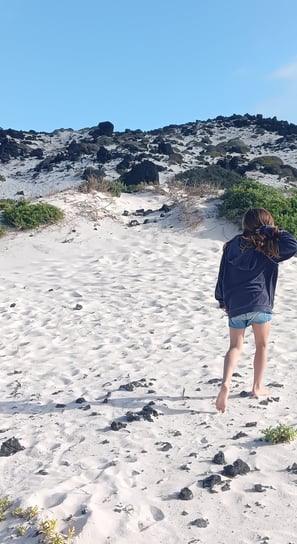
(185, 494)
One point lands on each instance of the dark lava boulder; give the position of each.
(103, 155)
(11, 149)
(124, 164)
(165, 149)
(76, 149)
(237, 468)
(49, 163)
(10, 447)
(91, 172)
(105, 128)
(185, 494)
(146, 172)
(37, 153)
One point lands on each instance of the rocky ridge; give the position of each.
(34, 164)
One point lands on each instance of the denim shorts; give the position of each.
(244, 320)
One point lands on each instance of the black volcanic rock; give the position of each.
(49, 163)
(230, 162)
(124, 164)
(241, 121)
(134, 146)
(130, 386)
(185, 494)
(38, 153)
(117, 425)
(211, 481)
(91, 172)
(239, 435)
(165, 446)
(17, 134)
(103, 155)
(10, 447)
(76, 149)
(219, 458)
(11, 149)
(147, 413)
(165, 148)
(175, 158)
(105, 128)
(238, 467)
(200, 522)
(146, 172)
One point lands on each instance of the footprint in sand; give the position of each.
(55, 500)
(157, 513)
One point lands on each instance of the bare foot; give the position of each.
(260, 392)
(221, 402)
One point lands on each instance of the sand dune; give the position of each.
(99, 319)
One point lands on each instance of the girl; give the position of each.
(245, 290)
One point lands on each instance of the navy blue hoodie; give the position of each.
(247, 278)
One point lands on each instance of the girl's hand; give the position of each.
(268, 230)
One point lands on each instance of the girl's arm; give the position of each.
(287, 245)
(287, 242)
(219, 290)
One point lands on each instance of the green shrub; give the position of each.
(102, 185)
(92, 183)
(213, 174)
(236, 145)
(213, 152)
(25, 215)
(252, 194)
(280, 433)
(2, 178)
(116, 187)
(134, 188)
(175, 158)
(5, 503)
(268, 164)
(3, 231)
(6, 203)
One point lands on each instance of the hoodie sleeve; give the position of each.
(287, 246)
(219, 290)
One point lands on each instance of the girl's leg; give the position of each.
(261, 334)
(230, 362)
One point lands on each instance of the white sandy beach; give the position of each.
(146, 311)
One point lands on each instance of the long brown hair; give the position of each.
(251, 223)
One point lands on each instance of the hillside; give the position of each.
(35, 164)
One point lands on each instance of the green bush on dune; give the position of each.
(237, 199)
(96, 183)
(26, 215)
(47, 528)
(279, 434)
(212, 174)
(6, 203)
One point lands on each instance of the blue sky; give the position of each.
(145, 63)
